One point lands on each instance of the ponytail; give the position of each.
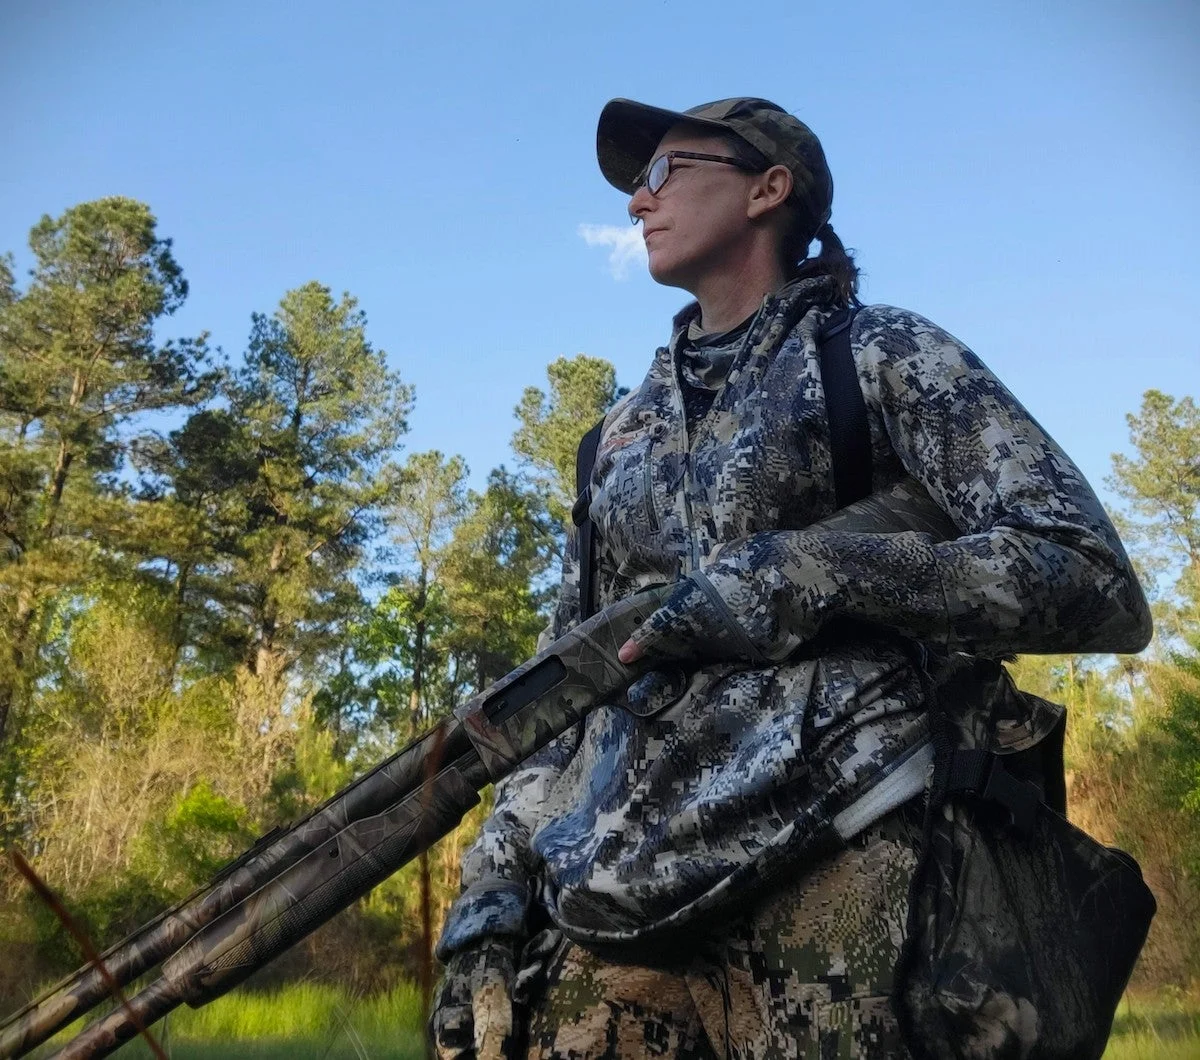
(834, 261)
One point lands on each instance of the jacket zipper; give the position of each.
(648, 485)
(677, 393)
(689, 522)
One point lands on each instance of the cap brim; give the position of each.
(629, 132)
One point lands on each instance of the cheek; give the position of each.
(727, 223)
(670, 247)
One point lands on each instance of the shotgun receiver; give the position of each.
(293, 880)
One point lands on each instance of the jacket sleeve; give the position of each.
(498, 870)
(1038, 566)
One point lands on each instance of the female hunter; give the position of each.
(728, 873)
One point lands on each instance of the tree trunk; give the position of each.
(178, 633)
(58, 480)
(264, 650)
(18, 658)
(415, 720)
(54, 492)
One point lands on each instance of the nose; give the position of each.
(640, 204)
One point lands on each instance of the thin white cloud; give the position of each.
(625, 246)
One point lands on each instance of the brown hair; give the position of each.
(833, 260)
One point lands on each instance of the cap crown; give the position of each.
(782, 139)
(629, 133)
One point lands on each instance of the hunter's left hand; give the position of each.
(738, 608)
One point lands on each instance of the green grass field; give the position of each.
(311, 1022)
(305, 1021)
(1163, 1027)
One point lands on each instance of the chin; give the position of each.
(663, 272)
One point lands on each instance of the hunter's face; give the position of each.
(698, 218)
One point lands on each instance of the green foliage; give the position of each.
(78, 358)
(199, 831)
(1160, 1026)
(296, 1022)
(582, 389)
(1161, 484)
(1181, 724)
(254, 519)
(497, 559)
(163, 640)
(313, 773)
(323, 415)
(303, 1010)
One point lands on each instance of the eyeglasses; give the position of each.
(659, 171)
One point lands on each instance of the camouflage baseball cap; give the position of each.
(629, 132)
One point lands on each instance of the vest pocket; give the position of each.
(627, 490)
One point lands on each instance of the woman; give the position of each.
(682, 859)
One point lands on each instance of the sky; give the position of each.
(1024, 174)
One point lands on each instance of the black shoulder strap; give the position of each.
(585, 460)
(849, 435)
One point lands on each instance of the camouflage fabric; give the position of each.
(807, 974)
(628, 134)
(1018, 943)
(790, 708)
(472, 1011)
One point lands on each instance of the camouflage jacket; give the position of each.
(629, 824)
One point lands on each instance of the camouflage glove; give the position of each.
(759, 601)
(472, 1011)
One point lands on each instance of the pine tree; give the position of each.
(78, 360)
(582, 389)
(323, 417)
(1161, 483)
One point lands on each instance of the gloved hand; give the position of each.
(758, 601)
(472, 1010)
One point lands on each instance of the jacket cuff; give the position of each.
(489, 907)
(695, 623)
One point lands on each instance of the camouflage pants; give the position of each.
(806, 973)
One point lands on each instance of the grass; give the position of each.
(1165, 1026)
(309, 1021)
(283, 1050)
(304, 1021)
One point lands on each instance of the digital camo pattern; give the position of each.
(628, 823)
(471, 1017)
(807, 974)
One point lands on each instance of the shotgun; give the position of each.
(294, 879)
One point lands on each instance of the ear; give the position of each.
(769, 191)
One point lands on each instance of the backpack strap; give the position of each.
(850, 440)
(585, 460)
(986, 775)
(846, 409)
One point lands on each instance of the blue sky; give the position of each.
(1024, 174)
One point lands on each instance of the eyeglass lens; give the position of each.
(660, 169)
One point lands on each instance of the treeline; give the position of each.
(1133, 723)
(225, 589)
